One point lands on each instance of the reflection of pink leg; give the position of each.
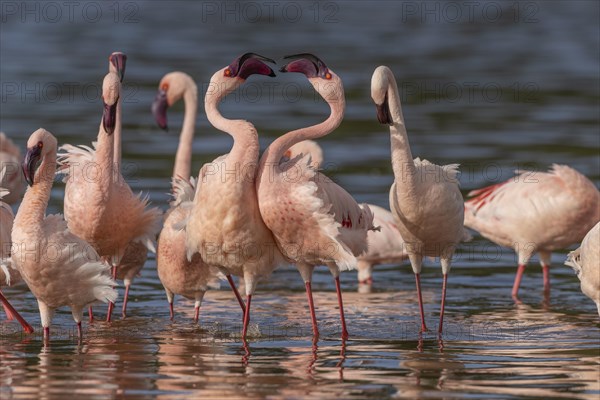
(518, 277)
(546, 272)
(443, 303)
(26, 327)
(9, 315)
(341, 305)
(418, 280)
(91, 314)
(311, 307)
(237, 294)
(246, 316)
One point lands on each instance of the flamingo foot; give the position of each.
(341, 305)
(237, 294)
(311, 307)
(7, 306)
(423, 326)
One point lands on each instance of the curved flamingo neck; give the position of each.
(33, 207)
(277, 149)
(117, 137)
(402, 158)
(103, 173)
(183, 158)
(245, 139)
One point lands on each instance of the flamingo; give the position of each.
(535, 212)
(99, 205)
(386, 246)
(585, 260)
(60, 268)
(225, 225)
(12, 181)
(424, 198)
(190, 279)
(8, 275)
(315, 221)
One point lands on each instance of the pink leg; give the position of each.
(341, 304)
(9, 315)
(368, 281)
(79, 333)
(124, 312)
(196, 314)
(246, 316)
(311, 306)
(443, 303)
(91, 314)
(546, 272)
(237, 294)
(423, 326)
(518, 277)
(26, 327)
(46, 332)
(111, 305)
(171, 311)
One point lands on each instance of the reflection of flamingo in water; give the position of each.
(103, 210)
(8, 275)
(424, 197)
(58, 271)
(535, 212)
(225, 225)
(315, 221)
(190, 279)
(385, 246)
(586, 262)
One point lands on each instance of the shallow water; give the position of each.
(493, 94)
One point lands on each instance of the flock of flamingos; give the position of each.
(273, 209)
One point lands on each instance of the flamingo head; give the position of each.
(111, 88)
(249, 64)
(171, 89)
(116, 64)
(379, 93)
(40, 143)
(324, 80)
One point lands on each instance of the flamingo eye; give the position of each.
(227, 72)
(327, 75)
(40, 144)
(165, 87)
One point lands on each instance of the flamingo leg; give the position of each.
(196, 314)
(546, 272)
(9, 315)
(111, 305)
(171, 313)
(518, 277)
(46, 332)
(341, 304)
(418, 280)
(246, 316)
(237, 294)
(311, 306)
(26, 327)
(124, 311)
(91, 314)
(443, 306)
(79, 332)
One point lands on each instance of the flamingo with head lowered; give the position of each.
(60, 268)
(8, 275)
(225, 225)
(386, 245)
(190, 279)
(424, 198)
(315, 221)
(99, 205)
(535, 212)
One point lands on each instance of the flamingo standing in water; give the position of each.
(535, 212)
(386, 246)
(8, 275)
(586, 262)
(99, 205)
(314, 221)
(424, 198)
(225, 225)
(190, 279)
(60, 268)
(12, 180)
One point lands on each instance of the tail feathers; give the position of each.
(96, 275)
(367, 217)
(573, 261)
(149, 224)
